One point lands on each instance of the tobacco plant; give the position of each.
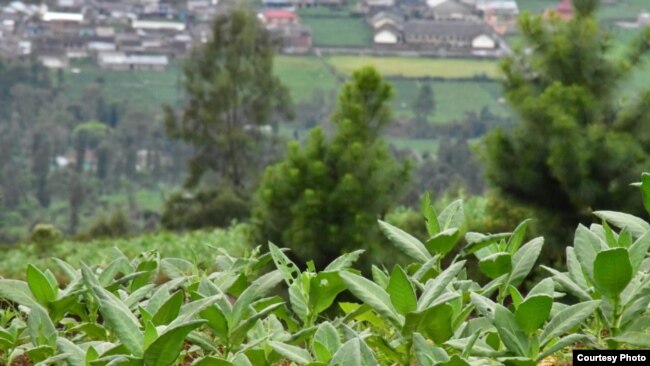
(262, 309)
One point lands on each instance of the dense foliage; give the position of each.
(325, 196)
(152, 310)
(579, 142)
(230, 93)
(47, 242)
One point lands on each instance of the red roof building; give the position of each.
(279, 17)
(565, 9)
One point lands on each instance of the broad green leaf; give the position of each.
(637, 339)
(517, 237)
(484, 306)
(299, 300)
(16, 291)
(639, 251)
(293, 353)
(430, 215)
(509, 331)
(169, 310)
(443, 242)
(405, 242)
(427, 354)
(41, 329)
(165, 350)
(567, 341)
(75, 355)
(354, 352)
(452, 216)
(328, 337)
(401, 292)
(635, 225)
(323, 289)
(67, 269)
(496, 264)
(568, 319)
(344, 261)
(478, 241)
(40, 286)
(524, 260)
(437, 286)
(373, 295)
(257, 289)
(568, 284)
(533, 312)
(516, 296)
(436, 323)
(321, 352)
(379, 276)
(575, 269)
(289, 270)
(586, 245)
(125, 325)
(544, 287)
(612, 271)
(241, 360)
(455, 360)
(176, 268)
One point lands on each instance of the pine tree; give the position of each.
(326, 196)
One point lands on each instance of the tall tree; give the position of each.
(424, 103)
(230, 92)
(577, 147)
(326, 196)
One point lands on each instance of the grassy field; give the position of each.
(199, 246)
(454, 99)
(417, 145)
(412, 67)
(303, 75)
(623, 9)
(146, 88)
(339, 31)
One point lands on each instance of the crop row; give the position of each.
(157, 311)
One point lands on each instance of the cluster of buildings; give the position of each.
(117, 34)
(148, 34)
(454, 25)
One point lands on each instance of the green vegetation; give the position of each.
(197, 246)
(155, 310)
(148, 89)
(417, 67)
(339, 31)
(237, 61)
(304, 75)
(577, 146)
(454, 99)
(316, 199)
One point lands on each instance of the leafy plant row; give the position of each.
(157, 311)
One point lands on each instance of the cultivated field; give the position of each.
(412, 67)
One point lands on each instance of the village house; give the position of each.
(501, 15)
(123, 61)
(449, 10)
(448, 34)
(278, 18)
(370, 6)
(435, 34)
(564, 10)
(293, 37)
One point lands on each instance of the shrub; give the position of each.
(215, 208)
(44, 235)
